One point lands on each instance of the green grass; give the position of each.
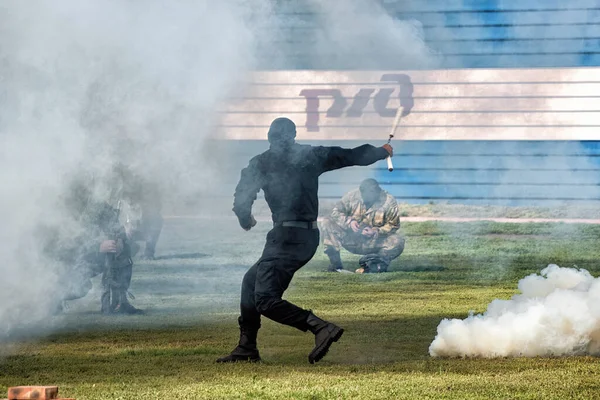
(390, 320)
(442, 209)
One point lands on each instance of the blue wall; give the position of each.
(542, 173)
(465, 33)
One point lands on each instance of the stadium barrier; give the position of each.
(487, 136)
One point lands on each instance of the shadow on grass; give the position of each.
(458, 269)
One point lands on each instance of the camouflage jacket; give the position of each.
(76, 243)
(383, 215)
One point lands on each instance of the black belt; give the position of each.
(298, 224)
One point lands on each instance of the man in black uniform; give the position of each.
(288, 173)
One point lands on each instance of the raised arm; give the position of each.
(337, 157)
(251, 181)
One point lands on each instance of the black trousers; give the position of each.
(286, 251)
(149, 230)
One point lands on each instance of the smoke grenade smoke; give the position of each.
(87, 85)
(556, 314)
(362, 34)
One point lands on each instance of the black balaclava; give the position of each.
(282, 133)
(370, 191)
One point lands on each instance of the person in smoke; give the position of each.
(365, 221)
(141, 209)
(95, 244)
(288, 173)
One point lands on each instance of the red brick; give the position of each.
(32, 392)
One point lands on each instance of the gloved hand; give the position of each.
(248, 224)
(108, 246)
(389, 149)
(370, 232)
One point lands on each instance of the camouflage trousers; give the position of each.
(79, 281)
(335, 237)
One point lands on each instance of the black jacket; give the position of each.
(289, 178)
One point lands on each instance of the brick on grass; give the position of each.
(32, 392)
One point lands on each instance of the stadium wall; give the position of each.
(460, 34)
(483, 136)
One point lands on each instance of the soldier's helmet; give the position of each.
(370, 190)
(282, 132)
(370, 185)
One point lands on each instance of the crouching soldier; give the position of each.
(94, 243)
(365, 222)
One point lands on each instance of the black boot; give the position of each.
(246, 350)
(373, 263)
(105, 302)
(335, 261)
(325, 334)
(124, 306)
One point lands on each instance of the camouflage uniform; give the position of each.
(77, 253)
(379, 250)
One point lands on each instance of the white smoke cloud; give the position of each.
(556, 314)
(361, 33)
(86, 84)
(344, 35)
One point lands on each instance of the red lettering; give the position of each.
(313, 102)
(360, 101)
(406, 91)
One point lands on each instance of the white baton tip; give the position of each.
(389, 164)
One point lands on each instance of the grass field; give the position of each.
(191, 296)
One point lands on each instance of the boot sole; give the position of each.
(319, 353)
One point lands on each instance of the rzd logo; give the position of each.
(359, 102)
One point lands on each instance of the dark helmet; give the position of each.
(370, 185)
(370, 191)
(282, 132)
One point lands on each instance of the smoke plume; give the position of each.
(556, 314)
(87, 85)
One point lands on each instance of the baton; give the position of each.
(394, 126)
